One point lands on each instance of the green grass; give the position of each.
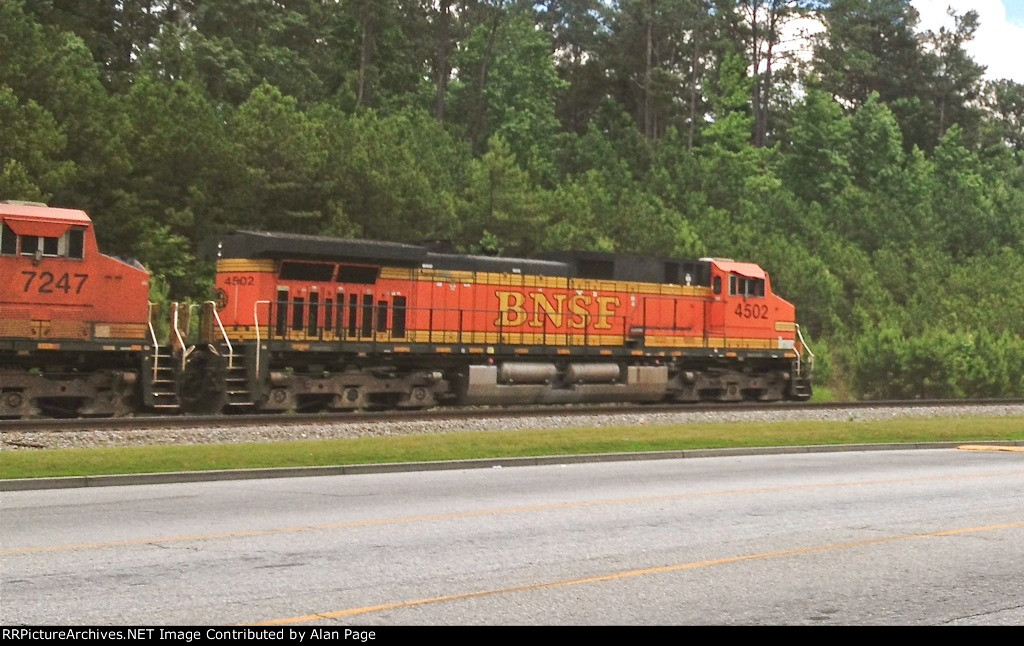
(461, 446)
(822, 394)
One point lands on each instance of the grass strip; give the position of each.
(493, 444)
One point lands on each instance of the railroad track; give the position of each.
(443, 414)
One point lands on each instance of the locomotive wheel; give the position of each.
(201, 386)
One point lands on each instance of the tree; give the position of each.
(396, 177)
(284, 188)
(816, 154)
(236, 45)
(767, 20)
(964, 205)
(504, 212)
(869, 46)
(56, 71)
(956, 77)
(657, 52)
(578, 32)
(1004, 104)
(117, 32)
(188, 174)
(32, 159)
(507, 86)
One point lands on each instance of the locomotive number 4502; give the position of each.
(49, 283)
(749, 311)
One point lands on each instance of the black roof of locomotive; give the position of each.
(498, 264)
(578, 264)
(295, 246)
(283, 246)
(643, 269)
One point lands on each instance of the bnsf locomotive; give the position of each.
(311, 323)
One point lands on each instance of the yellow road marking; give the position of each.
(489, 512)
(990, 447)
(337, 614)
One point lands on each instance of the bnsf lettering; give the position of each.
(535, 309)
(48, 283)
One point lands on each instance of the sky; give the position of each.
(999, 42)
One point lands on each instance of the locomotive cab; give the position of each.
(59, 285)
(744, 312)
(66, 345)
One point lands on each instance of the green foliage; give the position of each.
(395, 177)
(503, 211)
(32, 150)
(817, 153)
(506, 87)
(937, 364)
(167, 257)
(732, 121)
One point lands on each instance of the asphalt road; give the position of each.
(930, 537)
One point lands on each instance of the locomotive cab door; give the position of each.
(714, 313)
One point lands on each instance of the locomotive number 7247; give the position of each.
(49, 283)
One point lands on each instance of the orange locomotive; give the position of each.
(305, 322)
(73, 322)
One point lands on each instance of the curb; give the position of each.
(70, 482)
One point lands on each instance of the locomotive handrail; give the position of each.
(810, 355)
(462, 325)
(256, 322)
(177, 333)
(156, 344)
(223, 333)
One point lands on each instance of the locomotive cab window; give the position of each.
(8, 241)
(50, 246)
(75, 243)
(70, 244)
(746, 287)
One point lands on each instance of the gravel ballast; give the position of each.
(271, 432)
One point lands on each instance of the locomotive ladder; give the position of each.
(802, 388)
(803, 368)
(162, 374)
(236, 377)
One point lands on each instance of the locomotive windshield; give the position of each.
(69, 244)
